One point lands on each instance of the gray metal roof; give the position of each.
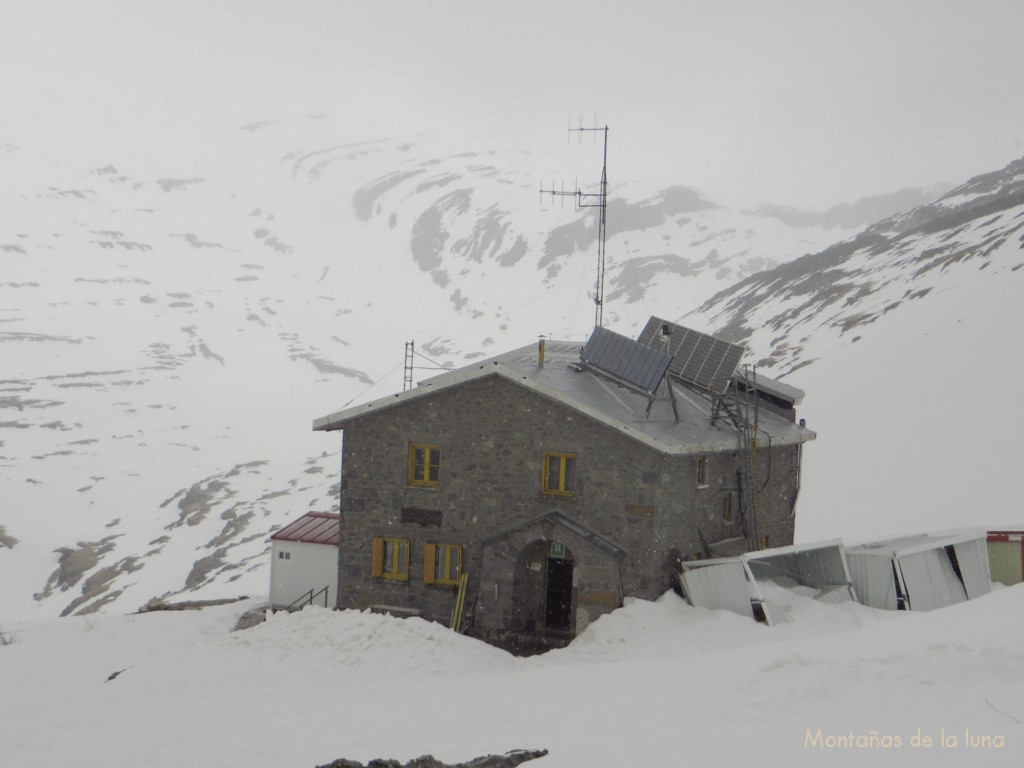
(563, 380)
(908, 545)
(774, 387)
(760, 554)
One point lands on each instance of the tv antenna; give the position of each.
(592, 200)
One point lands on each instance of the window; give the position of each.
(390, 558)
(424, 465)
(559, 474)
(727, 507)
(284, 555)
(702, 470)
(442, 564)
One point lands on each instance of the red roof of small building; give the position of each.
(312, 528)
(1006, 536)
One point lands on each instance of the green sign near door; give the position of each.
(557, 549)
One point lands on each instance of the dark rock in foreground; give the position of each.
(508, 760)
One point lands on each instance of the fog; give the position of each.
(806, 103)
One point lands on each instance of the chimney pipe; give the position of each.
(540, 351)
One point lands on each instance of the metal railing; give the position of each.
(308, 597)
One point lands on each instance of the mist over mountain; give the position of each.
(860, 213)
(171, 325)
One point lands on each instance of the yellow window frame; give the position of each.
(702, 470)
(390, 558)
(425, 465)
(558, 472)
(442, 564)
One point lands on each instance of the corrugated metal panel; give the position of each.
(972, 557)
(311, 528)
(872, 577)
(931, 581)
(823, 567)
(721, 586)
(819, 567)
(1006, 562)
(779, 566)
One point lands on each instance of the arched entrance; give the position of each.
(543, 589)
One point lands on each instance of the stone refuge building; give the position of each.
(560, 481)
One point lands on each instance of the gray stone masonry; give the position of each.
(493, 434)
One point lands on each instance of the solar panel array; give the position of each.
(697, 358)
(639, 364)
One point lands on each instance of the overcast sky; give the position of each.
(805, 102)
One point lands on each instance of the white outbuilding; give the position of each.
(761, 584)
(304, 562)
(920, 572)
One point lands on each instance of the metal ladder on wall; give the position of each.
(737, 408)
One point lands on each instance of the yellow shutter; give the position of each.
(377, 563)
(403, 558)
(429, 559)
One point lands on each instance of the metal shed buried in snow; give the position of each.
(759, 584)
(920, 572)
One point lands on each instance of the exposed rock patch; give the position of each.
(73, 564)
(508, 760)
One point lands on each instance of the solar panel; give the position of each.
(697, 358)
(639, 364)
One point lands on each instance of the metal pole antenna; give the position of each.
(410, 350)
(601, 229)
(594, 200)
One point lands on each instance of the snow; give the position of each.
(654, 684)
(923, 441)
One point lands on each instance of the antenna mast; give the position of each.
(593, 200)
(410, 350)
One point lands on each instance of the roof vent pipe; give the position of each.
(540, 351)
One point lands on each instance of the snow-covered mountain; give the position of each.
(903, 336)
(170, 326)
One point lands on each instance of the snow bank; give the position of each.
(653, 684)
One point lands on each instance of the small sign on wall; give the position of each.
(557, 549)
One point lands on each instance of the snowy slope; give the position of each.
(171, 323)
(652, 684)
(903, 338)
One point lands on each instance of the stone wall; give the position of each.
(493, 434)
